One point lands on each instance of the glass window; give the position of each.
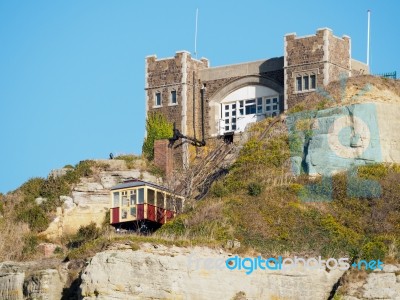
(251, 101)
(241, 111)
(250, 109)
(275, 100)
(226, 127)
(133, 197)
(234, 113)
(226, 121)
(133, 211)
(313, 82)
(124, 214)
(241, 103)
(275, 107)
(125, 201)
(170, 204)
(233, 106)
(259, 109)
(233, 126)
(150, 196)
(140, 196)
(233, 120)
(227, 114)
(306, 86)
(268, 101)
(259, 101)
(173, 97)
(158, 99)
(299, 85)
(268, 108)
(226, 107)
(116, 199)
(160, 199)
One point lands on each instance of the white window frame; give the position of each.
(170, 98)
(305, 77)
(155, 99)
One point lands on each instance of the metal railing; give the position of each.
(392, 75)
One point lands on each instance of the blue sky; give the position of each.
(72, 72)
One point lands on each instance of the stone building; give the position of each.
(208, 102)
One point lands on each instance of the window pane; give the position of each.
(170, 205)
(259, 101)
(226, 107)
(124, 214)
(158, 99)
(233, 126)
(250, 109)
(133, 197)
(268, 101)
(141, 196)
(226, 121)
(160, 199)
(306, 87)
(299, 86)
(241, 111)
(233, 120)
(259, 109)
(234, 113)
(268, 108)
(313, 81)
(133, 211)
(150, 196)
(251, 101)
(125, 201)
(173, 97)
(275, 100)
(226, 127)
(233, 106)
(227, 114)
(116, 199)
(275, 107)
(241, 103)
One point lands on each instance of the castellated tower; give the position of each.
(172, 88)
(313, 61)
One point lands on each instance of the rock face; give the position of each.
(90, 198)
(328, 141)
(18, 282)
(179, 273)
(383, 284)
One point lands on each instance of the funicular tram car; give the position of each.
(136, 204)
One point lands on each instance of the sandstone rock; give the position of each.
(179, 273)
(40, 200)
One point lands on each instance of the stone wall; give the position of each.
(322, 54)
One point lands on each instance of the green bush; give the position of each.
(374, 250)
(254, 189)
(219, 189)
(31, 242)
(34, 216)
(157, 128)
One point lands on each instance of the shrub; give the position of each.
(157, 128)
(219, 189)
(30, 244)
(254, 189)
(374, 250)
(34, 216)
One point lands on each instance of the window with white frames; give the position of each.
(173, 98)
(268, 106)
(306, 82)
(157, 100)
